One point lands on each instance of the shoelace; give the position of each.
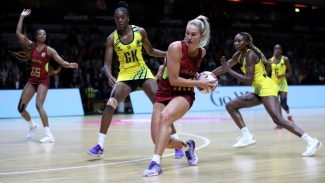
(97, 147)
(189, 155)
(238, 138)
(152, 164)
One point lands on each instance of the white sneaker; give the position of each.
(245, 141)
(47, 139)
(32, 130)
(312, 148)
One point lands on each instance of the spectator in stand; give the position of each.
(56, 83)
(3, 84)
(17, 83)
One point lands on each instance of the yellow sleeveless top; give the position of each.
(132, 65)
(278, 69)
(259, 74)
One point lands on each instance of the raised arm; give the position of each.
(251, 59)
(52, 53)
(148, 47)
(21, 36)
(108, 60)
(173, 66)
(233, 61)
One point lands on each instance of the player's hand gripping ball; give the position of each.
(211, 77)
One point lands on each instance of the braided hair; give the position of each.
(26, 53)
(249, 39)
(122, 6)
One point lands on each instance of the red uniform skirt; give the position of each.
(37, 81)
(165, 98)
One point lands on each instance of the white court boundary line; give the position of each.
(207, 142)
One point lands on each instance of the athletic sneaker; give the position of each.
(290, 118)
(32, 130)
(277, 127)
(190, 155)
(96, 151)
(47, 139)
(245, 141)
(312, 148)
(178, 154)
(153, 170)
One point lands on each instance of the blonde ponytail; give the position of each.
(202, 23)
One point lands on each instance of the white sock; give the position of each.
(31, 123)
(288, 114)
(175, 136)
(156, 158)
(307, 138)
(185, 148)
(47, 130)
(101, 139)
(245, 132)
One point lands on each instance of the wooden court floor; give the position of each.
(128, 149)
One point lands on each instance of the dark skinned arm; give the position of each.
(233, 61)
(148, 47)
(251, 59)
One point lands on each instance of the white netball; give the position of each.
(211, 77)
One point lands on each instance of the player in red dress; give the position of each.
(175, 93)
(39, 80)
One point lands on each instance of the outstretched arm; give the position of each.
(251, 59)
(52, 52)
(233, 61)
(148, 47)
(20, 36)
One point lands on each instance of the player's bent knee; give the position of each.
(21, 107)
(112, 102)
(39, 106)
(229, 106)
(276, 120)
(163, 118)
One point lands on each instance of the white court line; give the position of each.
(207, 142)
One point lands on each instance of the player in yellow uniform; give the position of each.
(281, 68)
(127, 41)
(265, 92)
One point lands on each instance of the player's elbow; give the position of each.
(151, 52)
(173, 81)
(18, 34)
(250, 81)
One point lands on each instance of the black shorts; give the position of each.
(135, 84)
(259, 98)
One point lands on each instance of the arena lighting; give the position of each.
(238, 1)
(300, 5)
(269, 3)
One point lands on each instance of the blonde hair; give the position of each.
(26, 54)
(202, 23)
(249, 39)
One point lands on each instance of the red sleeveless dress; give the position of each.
(189, 67)
(39, 68)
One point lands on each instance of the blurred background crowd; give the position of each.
(78, 31)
